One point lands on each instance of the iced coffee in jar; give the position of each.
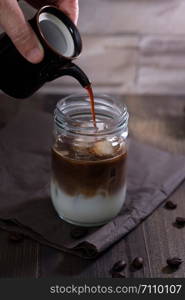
(88, 184)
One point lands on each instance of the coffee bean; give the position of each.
(174, 262)
(170, 205)
(16, 237)
(180, 221)
(78, 232)
(138, 263)
(119, 266)
(118, 275)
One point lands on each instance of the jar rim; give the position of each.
(64, 122)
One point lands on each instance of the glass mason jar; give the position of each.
(88, 184)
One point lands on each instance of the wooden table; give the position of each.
(157, 120)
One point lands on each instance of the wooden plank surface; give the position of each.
(159, 121)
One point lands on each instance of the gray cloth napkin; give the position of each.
(25, 204)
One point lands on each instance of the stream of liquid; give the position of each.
(91, 97)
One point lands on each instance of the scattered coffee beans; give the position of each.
(180, 221)
(118, 266)
(170, 205)
(117, 275)
(78, 232)
(174, 262)
(16, 237)
(138, 263)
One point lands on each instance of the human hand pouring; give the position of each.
(61, 42)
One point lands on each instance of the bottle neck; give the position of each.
(73, 116)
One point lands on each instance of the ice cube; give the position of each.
(118, 144)
(64, 153)
(100, 126)
(103, 148)
(80, 146)
(87, 124)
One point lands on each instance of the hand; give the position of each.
(20, 32)
(70, 7)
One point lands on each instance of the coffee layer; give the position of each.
(103, 172)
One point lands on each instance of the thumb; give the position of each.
(70, 7)
(20, 32)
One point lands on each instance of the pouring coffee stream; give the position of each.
(91, 97)
(62, 44)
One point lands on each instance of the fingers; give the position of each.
(40, 3)
(20, 32)
(70, 7)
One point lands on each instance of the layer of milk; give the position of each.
(86, 211)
